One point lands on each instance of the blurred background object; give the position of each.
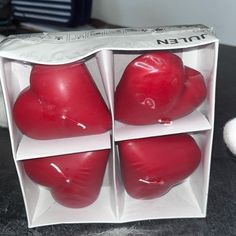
(57, 12)
(5, 12)
(25, 16)
(150, 13)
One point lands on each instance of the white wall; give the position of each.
(221, 14)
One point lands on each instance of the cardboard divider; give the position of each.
(30, 192)
(119, 184)
(105, 62)
(203, 59)
(113, 182)
(94, 69)
(199, 180)
(11, 88)
(31, 148)
(106, 67)
(195, 121)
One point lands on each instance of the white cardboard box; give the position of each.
(106, 54)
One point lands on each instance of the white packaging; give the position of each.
(3, 116)
(106, 54)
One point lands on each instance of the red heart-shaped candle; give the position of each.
(152, 166)
(74, 179)
(157, 88)
(62, 101)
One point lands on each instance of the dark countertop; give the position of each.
(221, 218)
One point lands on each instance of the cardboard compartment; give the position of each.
(186, 199)
(201, 58)
(16, 79)
(42, 209)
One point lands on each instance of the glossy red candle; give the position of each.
(152, 166)
(74, 179)
(62, 101)
(156, 87)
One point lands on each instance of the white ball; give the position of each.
(229, 135)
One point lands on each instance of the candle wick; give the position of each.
(64, 117)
